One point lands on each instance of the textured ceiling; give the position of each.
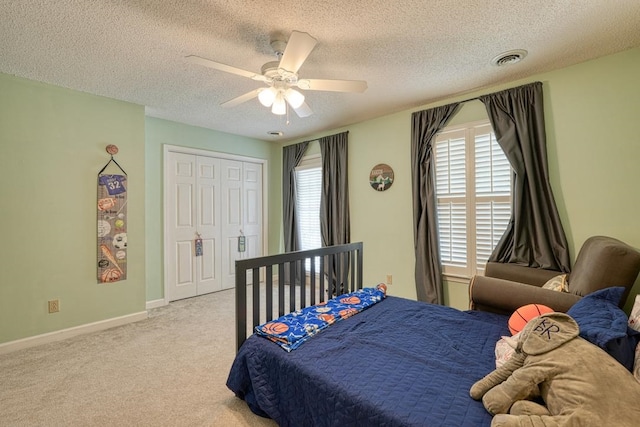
(410, 52)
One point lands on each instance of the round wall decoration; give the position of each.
(381, 177)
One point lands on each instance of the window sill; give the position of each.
(456, 278)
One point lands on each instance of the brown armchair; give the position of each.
(601, 263)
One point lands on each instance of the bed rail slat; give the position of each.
(241, 305)
(358, 268)
(280, 289)
(302, 288)
(352, 261)
(292, 286)
(343, 272)
(269, 291)
(340, 267)
(322, 280)
(312, 278)
(256, 295)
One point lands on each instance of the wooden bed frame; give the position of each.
(335, 269)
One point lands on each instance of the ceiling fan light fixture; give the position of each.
(267, 96)
(279, 107)
(294, 98)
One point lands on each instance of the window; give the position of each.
(473, 190)
(308, 176)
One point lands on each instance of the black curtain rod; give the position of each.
(470, 99)
(478, 97)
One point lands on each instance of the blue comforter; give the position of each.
(398, 363)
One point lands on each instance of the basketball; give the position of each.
(329, 318)
(347, 312)
(350, 300)
(110, 275)
(521, 316)
(275, 328)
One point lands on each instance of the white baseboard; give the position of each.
(156, 303)
(49, 337)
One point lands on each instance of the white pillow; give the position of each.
(634, 317)
(505, 347)
(634, 323)
(557, 283)
(636, 363)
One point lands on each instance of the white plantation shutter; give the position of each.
(308, 177)
(452, 225)
(493, 189)
(492, 219)
(473, 190)
(451, 167)
(493, 171)
(451, 190)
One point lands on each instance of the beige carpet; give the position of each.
(168, 370)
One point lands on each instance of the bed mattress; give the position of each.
(398, 363)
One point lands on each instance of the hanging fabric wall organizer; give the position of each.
(112, 222)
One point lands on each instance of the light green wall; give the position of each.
(53, 145)
(162, 132)
(593, 149)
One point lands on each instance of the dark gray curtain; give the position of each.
(428, 272)
(334, 199)
(291, 156)
(535, 236)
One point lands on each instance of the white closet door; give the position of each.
(216, 200)
(252, 212)
(231, 218)
(207, 220)
(181, 226)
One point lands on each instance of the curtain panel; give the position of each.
(534, 236)
(334, 199)
(428, 270)
(335, 220)
(291, 156)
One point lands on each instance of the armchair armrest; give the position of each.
(505, 296)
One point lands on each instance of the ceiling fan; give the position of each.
(281, 77)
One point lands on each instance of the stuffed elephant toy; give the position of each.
(579, 383)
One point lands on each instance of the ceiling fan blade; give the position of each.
(223, 67)
(333, 85)
(242, 98)
(298, 49)
(303, 111)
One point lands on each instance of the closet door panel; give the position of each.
(208, 228)
(181, 226)
(216, 200)
(252, 215)
(232, 218)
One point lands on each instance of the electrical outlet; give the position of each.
(54, 306)
(389, 279)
